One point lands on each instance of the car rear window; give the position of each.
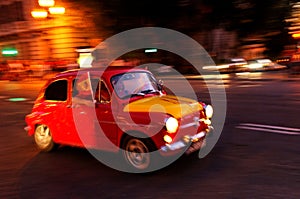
(57, 91)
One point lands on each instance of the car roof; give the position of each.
(109, 71)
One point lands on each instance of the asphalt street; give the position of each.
(256, 156)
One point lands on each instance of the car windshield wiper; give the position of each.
(149, 91)
(143, 93)
(135, 94)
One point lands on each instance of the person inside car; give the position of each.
(120, 89)
(84, 92)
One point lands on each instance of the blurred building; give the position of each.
(219, 43)
(56, 37)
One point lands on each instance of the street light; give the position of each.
(51, 9)
(47, 20)
(39, 14)
(57, 10)
(46, 3)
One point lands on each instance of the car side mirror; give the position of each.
(160, 84)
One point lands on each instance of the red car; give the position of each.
(120, 109)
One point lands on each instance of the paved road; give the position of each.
(257, 155)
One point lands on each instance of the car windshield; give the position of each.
(133, 84)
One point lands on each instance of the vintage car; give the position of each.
(120, 109)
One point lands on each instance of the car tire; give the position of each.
(43, 138)
(137, 153)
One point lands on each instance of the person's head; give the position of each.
(83, 85)
(120, 86)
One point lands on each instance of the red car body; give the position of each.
(111, 122)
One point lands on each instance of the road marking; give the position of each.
(269, 128)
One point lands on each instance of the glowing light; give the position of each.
(296, 35)
(40, 14)
(57, 10)
(46, 3)
(152, 50)
(168, 139)
(85, 60)
(172, 124)
(255, 66)
(209, 111)
(17, 99)
(9, 52)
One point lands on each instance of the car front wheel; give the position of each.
(43, 138)
(137, 153)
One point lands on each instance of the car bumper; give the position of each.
(190, 143)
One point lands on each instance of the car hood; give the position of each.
(176, 106)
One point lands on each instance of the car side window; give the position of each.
(104, 93)
(57, 91)
(76, 81)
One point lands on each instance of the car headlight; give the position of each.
(209, 111)
(171, 124)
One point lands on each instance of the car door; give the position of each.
(82, 112)
(55, 108)
(106, 127)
